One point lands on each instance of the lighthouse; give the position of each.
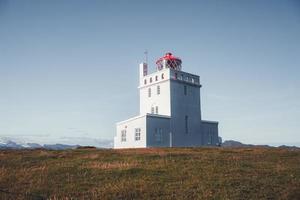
(170, 110)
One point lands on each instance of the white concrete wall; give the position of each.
(210, 133)
(185, 105)
(129, 126)
(161, 100)
(173, 106)
(158, 122)
(147, 123)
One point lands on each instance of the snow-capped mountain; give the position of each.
(11, 145)
(59, 144)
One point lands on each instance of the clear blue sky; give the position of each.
(70, 68)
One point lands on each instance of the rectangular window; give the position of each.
(156, 109)
(149, 92)
(158, 134)
(175, 75)
(209, 138)
(123, 135)
(158, 89)
(185, 90)
(152, 110)
(186, 124)
(137, 134)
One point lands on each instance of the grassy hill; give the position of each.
(177, 173)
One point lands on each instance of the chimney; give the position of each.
(143, 72)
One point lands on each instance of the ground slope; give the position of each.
(177, 173)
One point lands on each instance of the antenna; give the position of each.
(146, 56)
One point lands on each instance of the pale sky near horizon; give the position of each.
(70, 68)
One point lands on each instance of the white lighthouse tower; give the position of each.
(170, 111)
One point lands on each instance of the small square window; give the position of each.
(137, 134)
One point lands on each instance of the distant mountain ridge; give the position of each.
(233, 143)
(15, 143)
(10, 143)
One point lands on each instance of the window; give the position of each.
(186, 124)
(158, 134)
(185, 90)
(123, 135)
(156, 78)
(158, 89)
(152, 110)
(151, 80)
(175, 75)
(192, 80)
(156, 109)
(137, 134)
(209, 136)
(145, 81)
(149, 92)
(162, 76)
(181, 77)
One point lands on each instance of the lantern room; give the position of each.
(169, 61)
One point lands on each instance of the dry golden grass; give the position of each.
(109, 165)
(155, 173)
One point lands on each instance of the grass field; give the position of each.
(163, 173)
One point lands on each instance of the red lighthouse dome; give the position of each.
(169, 61)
